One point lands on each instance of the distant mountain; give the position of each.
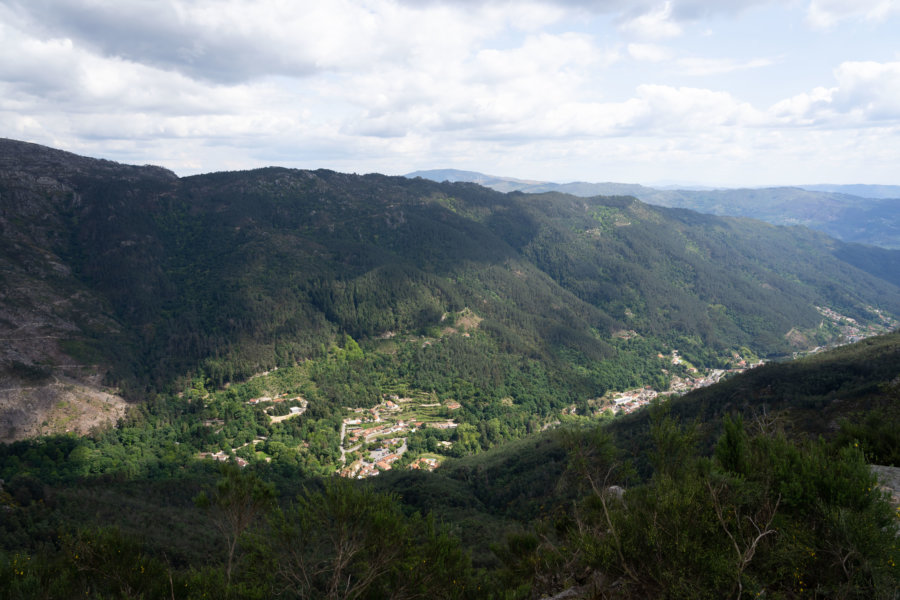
(510, 184)
(861, 190)
(866, 218)
(501, 184)
(133, 277)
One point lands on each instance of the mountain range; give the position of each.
(133, 278)
(866, 214)
(188, 362)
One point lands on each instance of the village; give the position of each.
(631, 400)
(850, 329)
(374, 439)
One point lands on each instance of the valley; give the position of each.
(417, 429)
(244, 357)
(506, 395)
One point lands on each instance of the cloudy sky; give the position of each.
(715, 92)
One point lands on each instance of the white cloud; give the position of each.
(654, 110)
(870, 88)
(496, 92)
(656, 24)
(60, 74)
(718, 66)
(543, 54)
(363, 85)
(239, 41)
(867, 94)
(805, 108)
(825, 14)
(681, 9)
(649, 52)
(687, 109)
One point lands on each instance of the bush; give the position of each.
(764, 515)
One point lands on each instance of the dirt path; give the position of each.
(290, 415)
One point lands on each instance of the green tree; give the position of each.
(238, 499)
(347, 542)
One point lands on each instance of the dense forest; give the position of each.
(151, 278)
(715, 495)
(272, 329)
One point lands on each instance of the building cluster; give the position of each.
(630, 401)
(380, 461)
(380, 435)
(424, 464)
(850, 328)
(356, 433)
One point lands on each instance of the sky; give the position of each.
(692, 92)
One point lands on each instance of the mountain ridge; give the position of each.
(456, 326)
(139, 279)
(872, 217)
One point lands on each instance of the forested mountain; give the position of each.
(147, 277)
(862, 214)
(417, 325)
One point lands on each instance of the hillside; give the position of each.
(845, 395)
(60, 333)
(417, 324)
(134, 278)
(532, 518)
(858, 214)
